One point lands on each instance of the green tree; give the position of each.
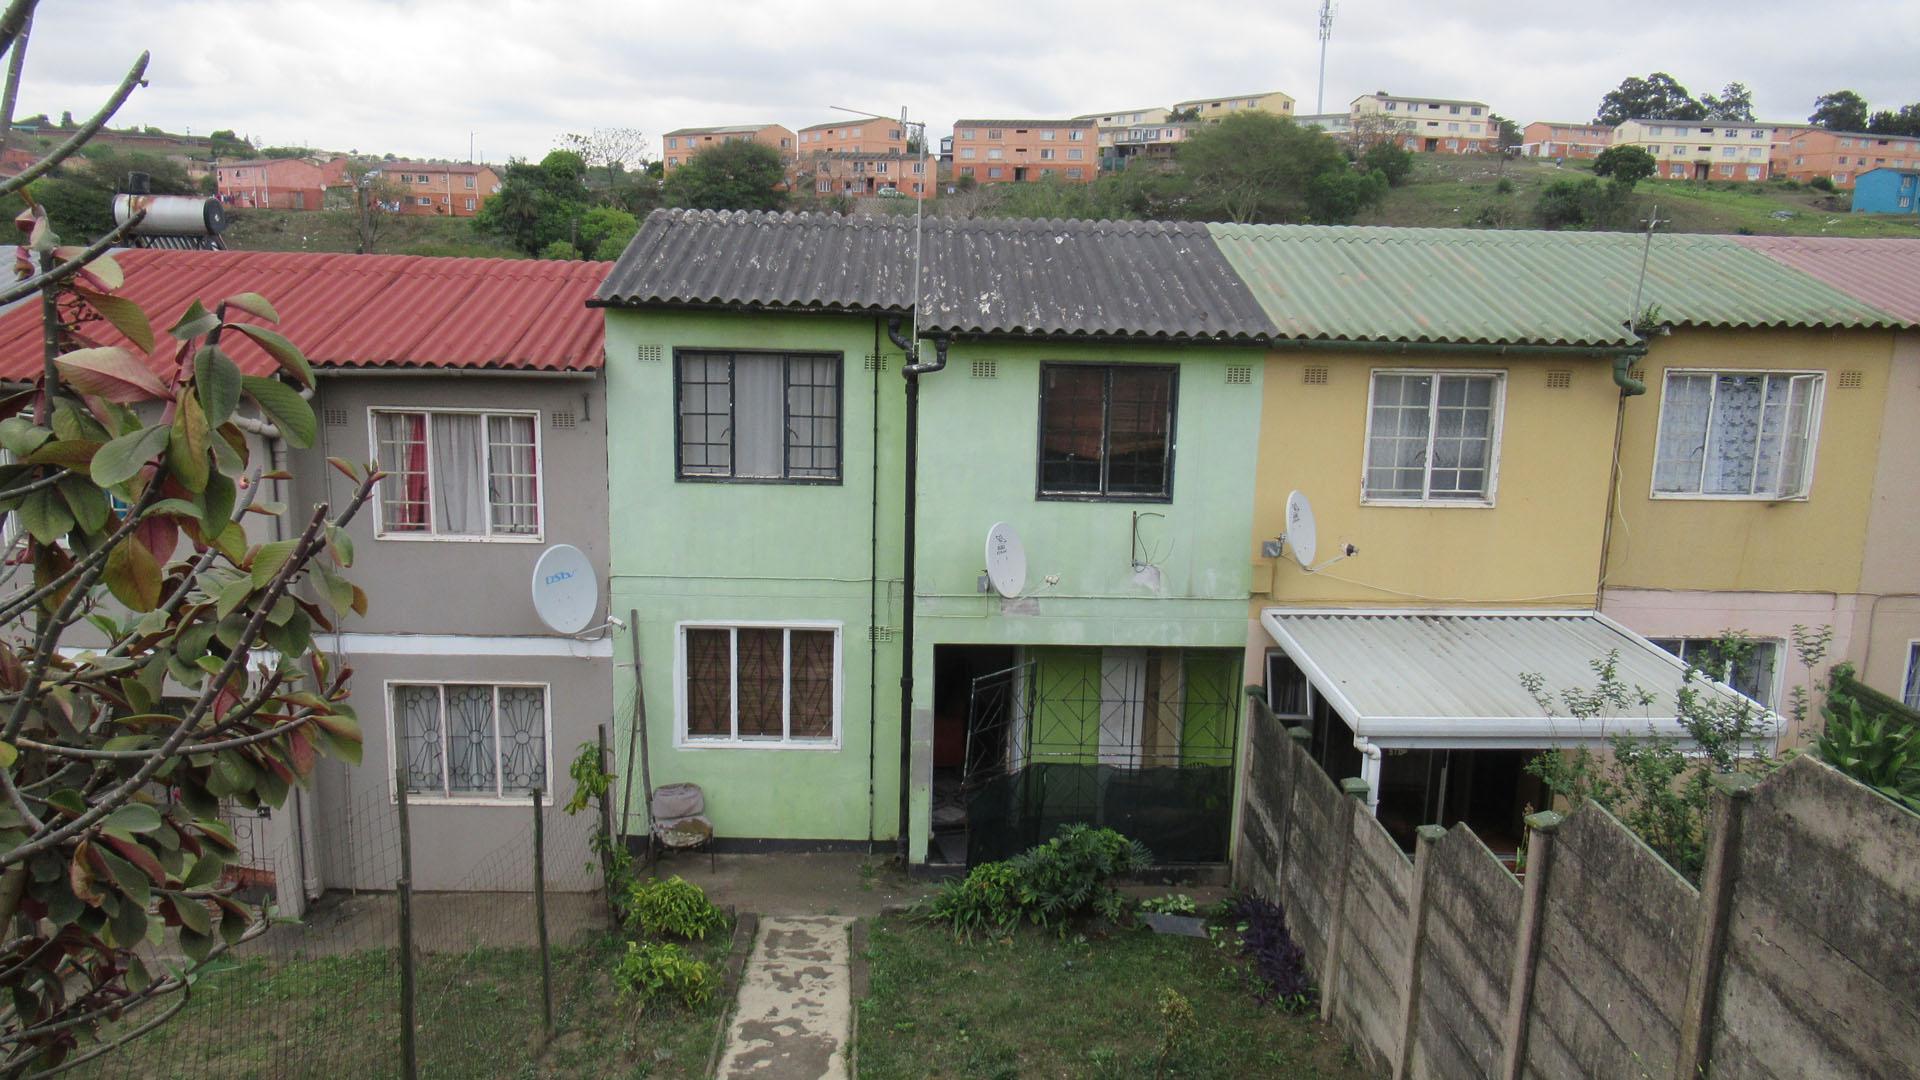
(1256, 167)
(1733, 103)
(1625, 164)
(1390, 160)
(224, 143)
(1336, 198)
(1905, 121)
(737, 175)
(605, 231)
(1566, 204)
(1659, 96)
(536, 204)
(1841, 110)
(1506, 132)
(560, 250)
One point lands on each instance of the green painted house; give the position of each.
(806, 453)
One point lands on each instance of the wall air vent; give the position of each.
(986, 369)
(1314, 376)
(1239, 375)
(1851, 380)
(647, 354)
(1559, 380)
(563, 419)
(1637, 374)
(336, 417)
(880, 633)
(876, 362)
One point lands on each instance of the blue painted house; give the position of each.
(1887, 191)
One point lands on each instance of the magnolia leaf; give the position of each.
(135, 817)
(192, 914)
(196, 320)
(102, 267)
(46, 516)
(21, 436)
(337, 590)
(269, 559)
(88, 503)
(133, 576)
(112, 373)
(254, 304)
(205, 871)
(284, 352)
(125, 315)
(66, 453)
(284, 405)
(119, 460)
(8, 754)
(340, 544)
(217, 380)
(220, 495)
(178, 508)
(232, 596)
(187, 445)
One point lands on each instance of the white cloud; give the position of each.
(416, 76)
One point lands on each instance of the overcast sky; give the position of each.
(415, 77)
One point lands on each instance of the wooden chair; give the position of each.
(679, 822)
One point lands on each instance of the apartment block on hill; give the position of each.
(858, 175)
(1216, 109)
(1803, 153)
(1702, 149)
(441, 188)
(1430, 125)
(680, 144)
(1557, 139)
(1113, 122)
(271, 184)
(862, 136)
(1023, 151)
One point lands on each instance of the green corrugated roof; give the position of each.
(1474, 287)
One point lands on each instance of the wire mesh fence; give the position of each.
(320, 992)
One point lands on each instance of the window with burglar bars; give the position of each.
(1432, 437)
(1737, 434)
(464, 741)
(1106, 431)
(764, 417)
(761, 686)
(455, 474)
(1750, 667)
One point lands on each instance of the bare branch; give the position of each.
(15, 26)
(79, 138)
(46, 481)
(108, 1048)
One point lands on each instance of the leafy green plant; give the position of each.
(1170, 904)
(661, 970)
(1177, 1026)
(675, 907)
(1877, 749)
(1070, 875)
(591, 786)
(986, 901)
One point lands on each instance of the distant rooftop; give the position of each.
(1417, 97)
(1072, 121)
(722, 129)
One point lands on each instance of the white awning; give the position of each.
(1452, 678)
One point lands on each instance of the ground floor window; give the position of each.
(470, 740)
(760, 685)
(1751, 667)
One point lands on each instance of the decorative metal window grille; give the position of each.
(1851, 380)
(1106, 431)
(336, 417)
(562, 419)
(1239, 375)
(647, 354)
(471, 740)
(760, 684)
(759, 416)
(985, 369)
(1314, 376)
(1559, 380)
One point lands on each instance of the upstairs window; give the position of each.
(1432, 437)
(457, 475)
(1737, 434)
(1106, 431)
(767, 417)
(1747, 666)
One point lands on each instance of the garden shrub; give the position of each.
(1279, 963)
(1066, 878)
(987, 901)
(1821, 183)
(672, 908)
(1878, 749)
(1170, 904)
(661, 970)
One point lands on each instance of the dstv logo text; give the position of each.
(557, 577)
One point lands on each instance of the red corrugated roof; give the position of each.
(1884, 272)
(349, 311)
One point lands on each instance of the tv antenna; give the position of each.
(919, 128)
(1653, 222)
(1327, 8)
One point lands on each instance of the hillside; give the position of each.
(1463, 192)
(334, 230)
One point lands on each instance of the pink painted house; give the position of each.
(271, 184)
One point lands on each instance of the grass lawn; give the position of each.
(478, 1016)
(1041, 1006)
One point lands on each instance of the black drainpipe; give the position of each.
(911, 372)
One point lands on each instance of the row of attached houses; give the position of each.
(791, 463)
(418, 188)
(1735, 151)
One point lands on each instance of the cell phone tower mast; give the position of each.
(1326, 31)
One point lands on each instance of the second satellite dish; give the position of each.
(1006, 560)
(1301, 536)
(566, 592)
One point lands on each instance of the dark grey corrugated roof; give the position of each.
(1134, 279)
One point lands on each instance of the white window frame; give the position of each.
(1776, 684)
(683, 741)
(1426, 498)
(431, 532)
(446, 798)
(1813, 434)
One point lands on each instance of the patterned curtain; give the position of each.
(1733, 435)
(709, 683)
(523, 739)
(513, 496)
(416, 712)
(761, 667)
(470, 739)
(810, 713)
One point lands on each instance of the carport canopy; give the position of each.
(1453, 678)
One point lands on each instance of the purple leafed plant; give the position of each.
(1279, 964)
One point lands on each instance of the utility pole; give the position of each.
(1326, 31)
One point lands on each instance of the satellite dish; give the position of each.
(1006, 560)
(1300, 534)
(565, 590)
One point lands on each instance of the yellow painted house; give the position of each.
(1462, 409)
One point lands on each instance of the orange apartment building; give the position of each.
(1802, 153)
(862, 136)
(445, 189)
(680, 144)
(858, 175)
(1554, 139)
(271, 184)
(1024, 151)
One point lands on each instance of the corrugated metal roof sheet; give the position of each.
(1885, 273)
(1488, 287)
(983, 276)
(348, 311)
(1452, 678)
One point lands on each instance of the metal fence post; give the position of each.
(607, 839)
(403, 890)
(540, 914)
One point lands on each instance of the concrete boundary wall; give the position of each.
(1795, 955)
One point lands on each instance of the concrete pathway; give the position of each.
(795, 1010)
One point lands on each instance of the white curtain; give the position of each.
(512, 476)
(460, 494)
(759, 419)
